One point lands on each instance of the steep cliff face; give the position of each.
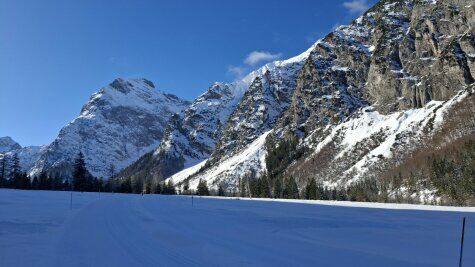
(191, 135)
(116, 126)
(264, 102)
(411, 78)
(430, 57)
(331, 84)
(209, 126)
(360, 100)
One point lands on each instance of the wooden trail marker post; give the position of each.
(461, 242)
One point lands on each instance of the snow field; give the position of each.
(37, 228)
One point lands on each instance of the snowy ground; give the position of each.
(39, 229)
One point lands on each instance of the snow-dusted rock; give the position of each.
(118, 124)
(8, 144)
(391, 69)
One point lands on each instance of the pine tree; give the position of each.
(80, 174)
(147, 187)
(202, 189)
(16, 169)
(111, 171)
(35, 184)
(321, 193)
(291, 190)
(49, 183)
(43, 181)
(16, 179)
(66, 185)
(221, 191)
(168, 188)
(242, 188)
(137, 184)
(3, 176)
(57, 183)
(171, 188)
(311, 189)
(186, 187)
(125, 186)
(156, 188)
(24, 181)
(265, 187)
(278, 189)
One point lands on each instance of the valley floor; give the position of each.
(37, 228)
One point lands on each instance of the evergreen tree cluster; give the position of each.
(11, 176)
(263, 187)
(280, 155)
(83, 181)
(139, 185)
(202, 189)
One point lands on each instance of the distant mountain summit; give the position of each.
(8, 144)
(118, 124)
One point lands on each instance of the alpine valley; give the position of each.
(379, 110)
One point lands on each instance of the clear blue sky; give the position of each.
(55, 54)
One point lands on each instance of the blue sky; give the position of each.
(55, 54)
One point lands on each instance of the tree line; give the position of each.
(451, 172)
(264, 186)
(12, 176)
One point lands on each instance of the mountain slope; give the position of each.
(366, 96)
(118, 124)
(8, 144)
(27, 156)
(254, 103)
(191, 135)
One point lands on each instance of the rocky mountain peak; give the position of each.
(118, 124)
(8, 144)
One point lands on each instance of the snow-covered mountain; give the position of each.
(118, 124)
(8, 144)
(27, 155)
(359, 102)
(250, 105)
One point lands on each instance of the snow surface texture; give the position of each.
(116, 126)
(37, 228)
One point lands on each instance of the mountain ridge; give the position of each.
(117, 125)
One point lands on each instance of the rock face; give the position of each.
(244, 108)
(26, 155)
(8, 144)
(190, 135)
(267, 97)
(423, 54)
(358, 101)
(116, 126)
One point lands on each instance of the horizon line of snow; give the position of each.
(350, 204)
